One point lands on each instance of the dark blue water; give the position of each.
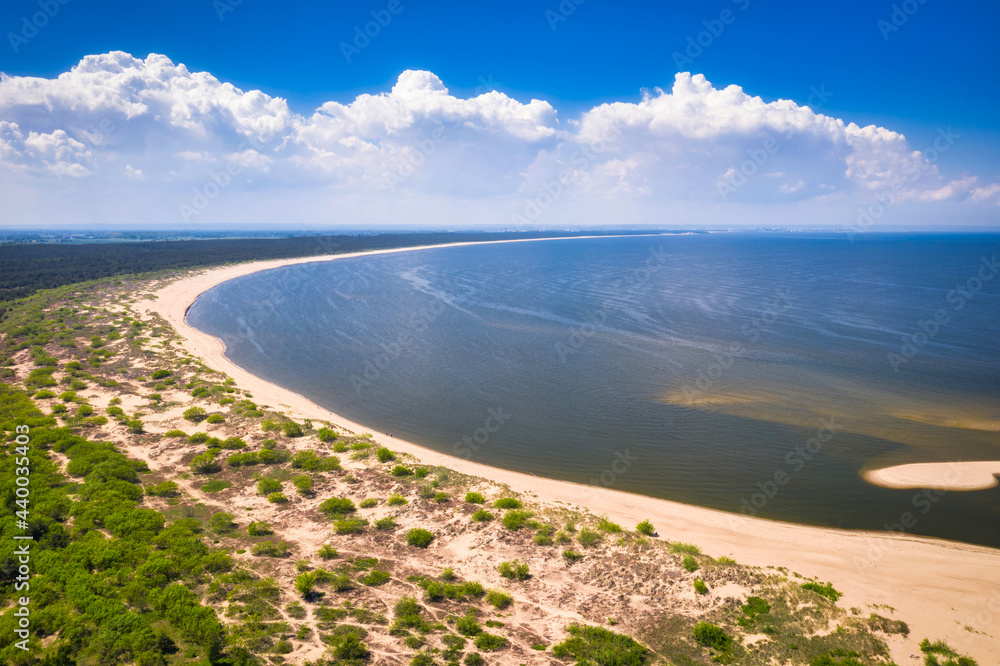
(695, 368)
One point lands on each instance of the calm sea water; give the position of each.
(748, 373)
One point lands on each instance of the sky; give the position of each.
(581, 113)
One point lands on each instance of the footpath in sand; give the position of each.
(944, 590)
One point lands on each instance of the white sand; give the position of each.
(938, 587)
(961, 476)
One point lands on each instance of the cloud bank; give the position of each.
(123, 140)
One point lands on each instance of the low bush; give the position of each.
(215, 418)
(572, 556)
(684, 548)
(700, 587)
(376, 577)
(327, 552)
(368, 503)
(597, 645)
(271, 549)
(507, 503)
(515, 570)
(175, 433)
(384, 455)
(645, 527)
(291, 429)
(498, 599)
(396, 499)
(474, 498)
(588, 537)
(349, 525)
(303, 484)
(198, 438)
(514, 519)
(195, 414)
(259, 528)
(385, 524)
(401, 470)
(826, 590)
(222, 522)
(277, 498)
(490, 642)
(606, 525)
(337, 507)
(690, 564)
(165, 489)
(468, 626)
(712, 636)
(268, 485)
(326, 435)
(205, 463)
(418, 537)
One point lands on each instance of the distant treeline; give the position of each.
(24, 269)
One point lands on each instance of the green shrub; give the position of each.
(498, 599)
(349, 525)
(507, 503)
(368, 503)
(195, 414)
(490, 642)
(327, 552)
(277, 498)
(295, 611)
(215, 418)
(419, 537)
(384, 455)
(440, 497)
(700, 587)
(385, 524)
(134, 426)
(401, 470)
(205, 463)
(215, 485)
(684, 548)
(468, 626)
(198, 437)
(222, 522)
(337, 507)
(606, 525)
(326, 435)
(376, 577)
(823, 590)
(597, 645)
(304, 583)
(291, 429)
(421, 472)
(271, 549)
(303, 484)
(645, 527)
(514, 519)
(474, 498)
(939, 648)
(588, 537)
(268, 485)
(396, 499)
(572, 556)
(712, 636)
(482, 516)
(259, 528)
(689, 563)
(165, 489)
(752, 610)
(515, 570)
(160, 374)
(175, 433)
(474, 659)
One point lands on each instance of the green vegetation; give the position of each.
(384, 455)
(215, 418)
(195, 414)
(303, 484)
(690, 564)
(368, 503)
(385, 524)
(326, 435)
(572, 556)
(419, 537)
(588, 537)
(498, 599)
(271, 548)
(165, 489)
(700, 587)
(606, 525)
(482, 516)
(826, 590)
(514, 519)
(259, 528)
(684, 548)
(597, 645)
(291, 429)
(327, 552)
(507, 503)
(376, 577)
(490, 642)
(337, 507)
(396, 499)
(515, 570)
(713, 636)
(268, 485)
(941, 649)
(645, 527)
(350, 525)
(401, 470)
(215, 485)
(277, 498)
(474, 498)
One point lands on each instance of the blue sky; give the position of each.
(940, 68)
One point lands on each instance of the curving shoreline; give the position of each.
(938, 587)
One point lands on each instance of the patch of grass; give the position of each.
(752, 610)
(490, 642)
(507, 503)
(690, 564)
(271, 549)
(337, 507)
(259, 528)
(277, 498)
(700, 587)
(175, 433)
(941, 649)
(680, 548)
(515, 570)
(468, 626)
(589, 537)
(327, 552)
(385, 524)
(396, 499)
(401, 470)
(824, 590)
(474, 498)
(572, 556)
(887, 626)
(597, 645)
(165, 489)
(376, 577)
(606, 525)
(498, 599)
(419, 537)
(350, 526)
(514, 519)
(368, 503)
(268, 485)
(482, 516)
(214, 486)
(712, 636)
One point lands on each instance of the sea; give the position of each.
(754, 373)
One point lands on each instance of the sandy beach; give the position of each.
(944, 590)
(959, 476)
